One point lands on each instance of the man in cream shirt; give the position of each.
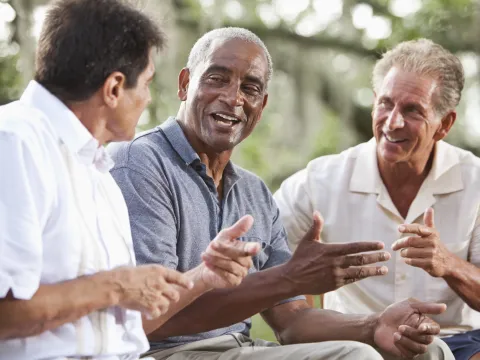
(388, 189)
(69, 287)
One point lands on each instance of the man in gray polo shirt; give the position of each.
(182, 189)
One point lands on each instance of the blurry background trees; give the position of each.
(323, 52)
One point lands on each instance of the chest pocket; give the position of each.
(263, 255)
(437, 288)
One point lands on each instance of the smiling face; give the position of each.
(224, 95)
(405, 123)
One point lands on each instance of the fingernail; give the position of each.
(401, 228)
(403, 253)
(402, 328)
(393, 245)
(251, 247)
(397, 336)
(191, 285)
(383, 270)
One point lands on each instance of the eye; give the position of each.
(251, 89)
(215, 78)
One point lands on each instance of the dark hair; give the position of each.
(84, 41)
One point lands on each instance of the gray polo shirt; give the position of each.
(175, 212)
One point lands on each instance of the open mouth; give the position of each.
(226, 120)
(393, 139)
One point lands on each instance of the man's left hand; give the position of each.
(425, 250)
(403, 329)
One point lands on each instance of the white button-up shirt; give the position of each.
(349, 193)
(61, 216)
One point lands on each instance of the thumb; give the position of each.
(313, 234)
(236, 230)
(429, 308)
(428, 218)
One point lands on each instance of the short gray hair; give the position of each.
(424, 57)
(199, 51)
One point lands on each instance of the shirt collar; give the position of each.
(68, 127)
(442, 179)
(177, 139)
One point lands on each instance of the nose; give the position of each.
(395, 120)
(232, 96)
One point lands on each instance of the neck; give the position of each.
(214, 161)
(396, 175)
(88, 114)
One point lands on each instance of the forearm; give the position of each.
(257, 292)
(56, 304)
(464, 279)
(186, 297)
(309, 326)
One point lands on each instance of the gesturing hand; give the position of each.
(227, 260)
(317, 268)
(149, 289)
(403, 329)
(425, 250)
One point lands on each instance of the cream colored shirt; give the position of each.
(349, 193)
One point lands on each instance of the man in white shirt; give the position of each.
(69, 287)
(382, 189)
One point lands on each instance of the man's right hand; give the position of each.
(149, 288)
(317, 268)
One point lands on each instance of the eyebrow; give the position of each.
(223, 69)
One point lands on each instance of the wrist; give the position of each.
(196, 276)
(110, 282)
(370, 326)
(288, 280)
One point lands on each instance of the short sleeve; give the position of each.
(22, 206)
(474, 250)
(296, 209)
(152, 218)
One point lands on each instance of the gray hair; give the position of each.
(200, 49)
(424, 57)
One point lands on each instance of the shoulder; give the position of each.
(145, 154)
(251, 182)
(469, 164)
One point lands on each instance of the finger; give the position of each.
(230, 279)
(177, 278)
(425, 264)
(429, 308)
(226, 265)
(358, 273)
(234, 249)
(411, 241)
(236, 230)
(417, 253)
(354, 248)
(412, 347)
(415, 335)
(314, 233)
(162, 304)
(171, 293)
(365, 259)
(417, 229)
(428, 218)
(429, 327)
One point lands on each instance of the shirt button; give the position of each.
(401, 277)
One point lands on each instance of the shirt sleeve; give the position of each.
(22, 208)
(474, 250)
(280, 253)
(295, 206)
(152, 218)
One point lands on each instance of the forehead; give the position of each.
(401, 85)
(237, 55)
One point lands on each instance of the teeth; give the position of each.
(393, 139)
(226, 117)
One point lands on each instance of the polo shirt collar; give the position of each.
(177, 139)
(68, 127)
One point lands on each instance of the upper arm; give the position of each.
(152, 218)
(23, 212)
(295, 206)
(281, 316)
